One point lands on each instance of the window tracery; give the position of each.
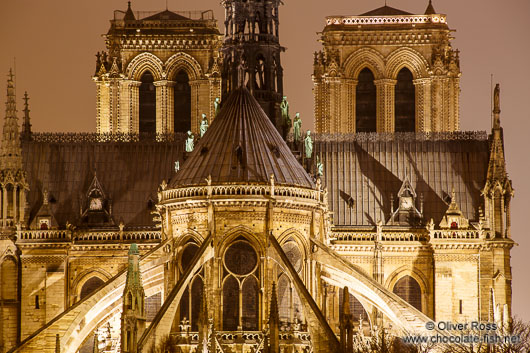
(240, 287)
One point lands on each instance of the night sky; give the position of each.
(55, 43)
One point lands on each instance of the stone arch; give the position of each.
(234, 233)
(298, 237)
(145, 62)
(78, 321)
(183, 61)
(85, 276)
(409, 58)
(364, 58)
(9, 274)
(185, 237)
(340, 273)
(417, 276)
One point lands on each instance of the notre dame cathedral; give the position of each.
(199, 215)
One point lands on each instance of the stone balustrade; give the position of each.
(241, 190)
(67, 236)
(385, 236)
(456, 234)
(386, 20)
(47, 235)
(136, 236)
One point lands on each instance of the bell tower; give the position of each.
(251, 44)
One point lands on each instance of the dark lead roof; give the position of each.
(165, 15)
(129, 173)
(366, 171)
(370, 172)
(242, 145)
(385, 11)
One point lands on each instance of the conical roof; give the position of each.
(241, 145)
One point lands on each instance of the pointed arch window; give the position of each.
(90, 286)
(405, 102)
(289, 303)
(182, 102)
(189, 307)
(409, 290)
(9, 274)
(147, 107)
(241, 297)
(365, 102)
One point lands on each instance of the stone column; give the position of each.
(214, 85)
(349, 95)
(14, 204)
(335, 114)
(4, 204)
(164, 107)
(126, 106)
(22, 204)
(320, 99)
(103, 108)
(200, 102)
(134, 106)
(423, 104)
(385, 104)
(454, 101)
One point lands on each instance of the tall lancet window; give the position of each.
(409, 290)
(241, 286)
(147, 109)
(189, 307)
(365, 104)
(405, 102)
(182, 102)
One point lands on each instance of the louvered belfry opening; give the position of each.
(405, 102)
(147, 107)
(182, 102)
(366, 102)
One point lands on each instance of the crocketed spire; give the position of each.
(10, 153)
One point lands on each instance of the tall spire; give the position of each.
(10, 154)
(497, 167)
(497, 107)
(26, 126)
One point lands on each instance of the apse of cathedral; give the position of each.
(201, 217)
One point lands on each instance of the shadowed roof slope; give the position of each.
(385, 11)
(241, 145)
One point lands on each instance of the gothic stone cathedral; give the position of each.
(249, 237)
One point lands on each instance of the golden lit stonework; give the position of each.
(193, 220)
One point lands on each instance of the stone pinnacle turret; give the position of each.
(26, 125)
(10, 153)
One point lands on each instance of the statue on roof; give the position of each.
(284, 107)
(496, 99)
(308, 142)
(204, 125)
(190, 144)
(216, 105)
(320, 167)
(297, 128)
